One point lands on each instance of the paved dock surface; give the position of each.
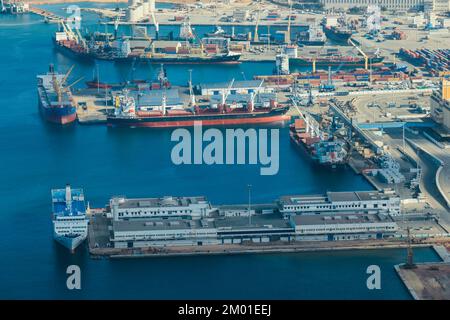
(428, 281)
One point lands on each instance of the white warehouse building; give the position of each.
(334, 227)
(162, 232)
(165, 207)
(398, 5)
(336, 202)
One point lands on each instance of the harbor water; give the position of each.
(37, 156)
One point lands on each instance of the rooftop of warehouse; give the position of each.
(159, 224)
(335, 197)
(154, 97)
(321, 219)
(266, 221)
(167, 201)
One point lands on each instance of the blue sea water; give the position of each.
(37, 156)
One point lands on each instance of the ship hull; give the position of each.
(341, 38)
(59, 115)
(277, 115)
(304, 149)
(311, 43)
(70, 243)
(83, 56)
(326, 63)
(234, 59)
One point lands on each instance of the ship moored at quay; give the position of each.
(54, 98)
(126, 114)
(70, 223)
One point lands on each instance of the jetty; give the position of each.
(49, 16)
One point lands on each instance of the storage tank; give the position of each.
(132, 14)
(282, 64)
(145, 7)
(151, 6)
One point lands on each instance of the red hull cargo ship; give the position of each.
(126, 114)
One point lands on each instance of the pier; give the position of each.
(49, 16)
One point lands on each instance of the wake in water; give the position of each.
(21, 24)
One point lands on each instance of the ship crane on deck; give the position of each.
(312, 126)
(226, 92)
(366, 58)
(156, 24)
(253, 96)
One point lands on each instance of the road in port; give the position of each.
(435, 164)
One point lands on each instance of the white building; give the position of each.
(238, 87)
(159, 232)
(343, 227)
(166, 207)
(139, 9)
(340, 202)
(398, 5)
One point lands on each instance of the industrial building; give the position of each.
(241, 87)
(157, 232)
(340, 202)
(122, 208)
(440, 105)
(331, 227)
(148, 100)
(192, 221)
(240, 100)
(138, 10)
(438, 6)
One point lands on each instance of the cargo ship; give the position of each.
(54, 99)
(127, 114)
(312, 37)
(337, 34)
(70, 223)
(71, 44)
(136, 84)
(184, 58)
(325, 152)
(335, 60)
